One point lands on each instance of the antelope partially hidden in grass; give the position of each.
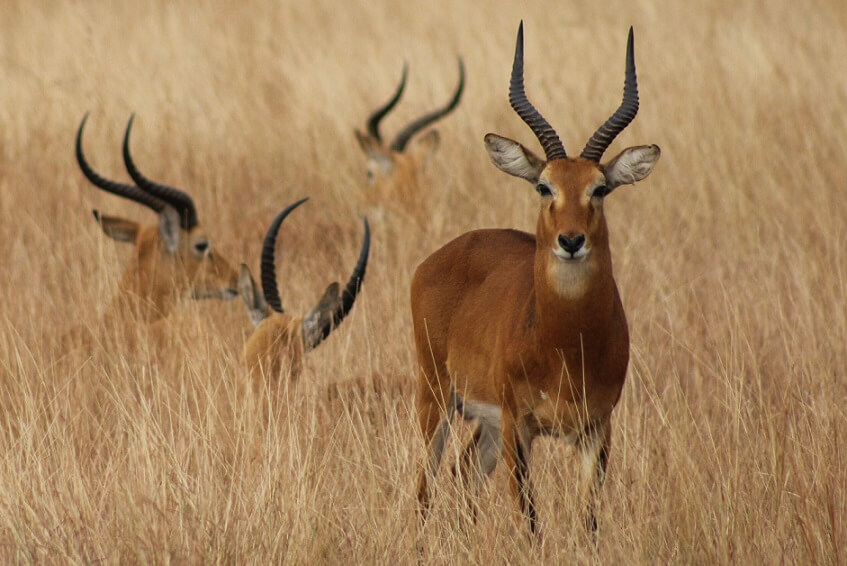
(394, 168)
(173, 260)
(280, 340)
(526, 333)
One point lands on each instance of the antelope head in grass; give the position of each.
(393, 168)
(173, 259)
(280, 340)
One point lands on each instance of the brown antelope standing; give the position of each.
(280, 340)
(526, 333)
(173, 260)
(396, 166)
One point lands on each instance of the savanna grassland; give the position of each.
(729, 440)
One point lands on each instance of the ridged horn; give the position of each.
(625, 113)
(348, 295)
(126, 191)
(269, 287)
(380, 113)
(545, 133)
(402, 139)
(180, 200)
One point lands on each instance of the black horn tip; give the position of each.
(519, 42)
(367, 234)
(79, 130)
(127, 132)
(461, 86)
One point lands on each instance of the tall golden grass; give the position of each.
(728, 443)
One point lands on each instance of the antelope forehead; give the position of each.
(380, 163)
(572, 189)
(567, 197)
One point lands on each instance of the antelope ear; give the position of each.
(254, 300)
(631, 165)
(513, 158)
(119, 229)
(169, 228)
(366, 141)
(426, 145)
(321, 315)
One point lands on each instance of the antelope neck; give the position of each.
(561, 319)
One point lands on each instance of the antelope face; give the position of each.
(209, 274)
(399, 167)
(171, 261)
(571, 218)
(571, 228)
(380, 160)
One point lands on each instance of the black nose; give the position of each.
(571, 245)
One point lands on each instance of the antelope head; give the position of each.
(280, 340)
(173, 260)
(571, 235)
(400, 160)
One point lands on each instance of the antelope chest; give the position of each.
(564, 404)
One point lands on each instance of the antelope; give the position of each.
(398, 163)
(173, 260)
(526, 333)
(280, 340)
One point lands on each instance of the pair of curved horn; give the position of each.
(402, 139)
(545, 133)
(268, 276)
(147, 192)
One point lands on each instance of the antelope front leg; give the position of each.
(517, 445)
(594, 445)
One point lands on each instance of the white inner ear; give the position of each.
(513, 158)
(631, 165)
(169, 228)
(257, 308)
(118, 229)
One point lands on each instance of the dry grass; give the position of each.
(729, 439)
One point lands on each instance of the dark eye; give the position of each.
(600, 191)
(201, 247)
(544, 190)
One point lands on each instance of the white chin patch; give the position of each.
(580, 255)
(569, 275)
